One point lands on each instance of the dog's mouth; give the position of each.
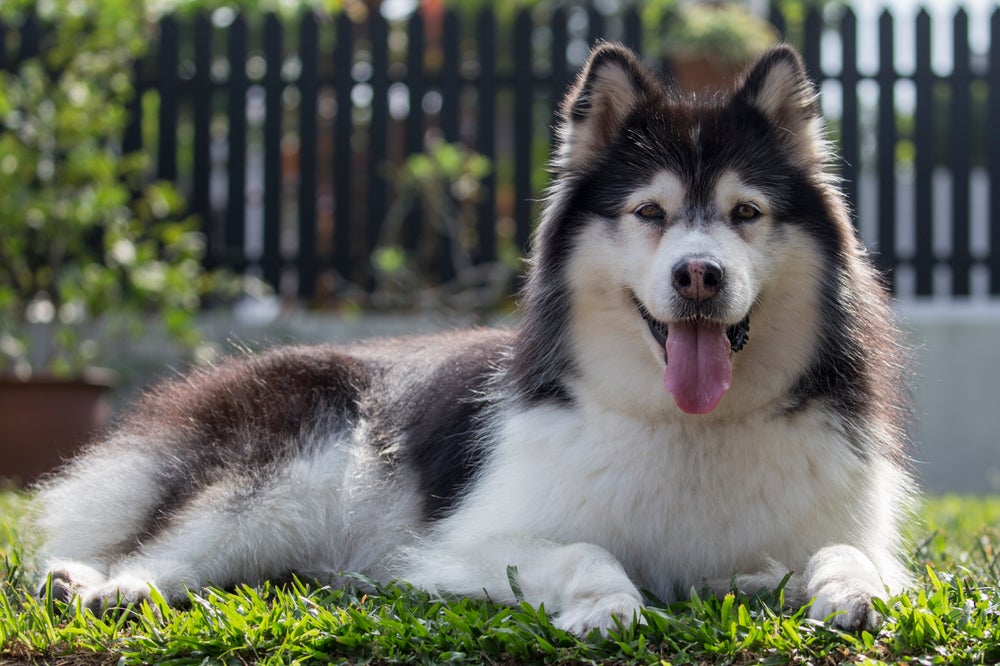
(738, 334)
(697, 353)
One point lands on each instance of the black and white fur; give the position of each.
(553, 447)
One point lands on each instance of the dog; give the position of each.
(703, 389)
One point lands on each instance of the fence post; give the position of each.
(343, 153)
(560, 70)
(237, 143)
(416, 85)
(168, 86)
(308, 136)
(886, 153)
(486, 134)
(595, 25)
(378, 152)
(849, 146)
(201, 203)
(273, 89)
(993, 121)
(924, 167)
(524, 96)
(132, 137)
(961, 153)
(451, 88)
(633, 29)
(813, 38)
(777, 19)
(30, 39)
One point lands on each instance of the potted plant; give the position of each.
(91, 251)
(708, 44)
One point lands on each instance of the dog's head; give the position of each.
(691, 213)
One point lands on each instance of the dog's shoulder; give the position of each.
(431, 406)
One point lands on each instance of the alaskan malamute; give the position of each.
(703, 389)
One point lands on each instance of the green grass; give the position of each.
(953, 616)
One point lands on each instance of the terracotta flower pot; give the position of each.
(44, 420)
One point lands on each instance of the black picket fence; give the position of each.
(288, 136)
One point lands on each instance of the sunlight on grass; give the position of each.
(951, 616)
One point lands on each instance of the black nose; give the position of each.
(698, 279)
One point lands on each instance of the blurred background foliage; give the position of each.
(93, 250)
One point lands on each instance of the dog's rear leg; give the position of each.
(94, 512)
(241, 530)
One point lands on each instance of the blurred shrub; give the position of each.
(91, 250)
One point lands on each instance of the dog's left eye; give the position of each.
(650, 212)
(745, 212)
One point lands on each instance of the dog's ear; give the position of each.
(610, 86)
(778, 86)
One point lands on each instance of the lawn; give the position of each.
(953, 616)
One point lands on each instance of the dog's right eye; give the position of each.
(745, 212)
(650, 212)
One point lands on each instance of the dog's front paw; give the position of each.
(842, 582)
(116, 595)
(601, 613)
(847, 606)
(66, 580)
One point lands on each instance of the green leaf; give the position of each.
(389, 259)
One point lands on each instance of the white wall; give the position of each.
(957, 394)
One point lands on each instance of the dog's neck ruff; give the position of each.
(697, 354)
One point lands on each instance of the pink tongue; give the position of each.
(698, 369)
